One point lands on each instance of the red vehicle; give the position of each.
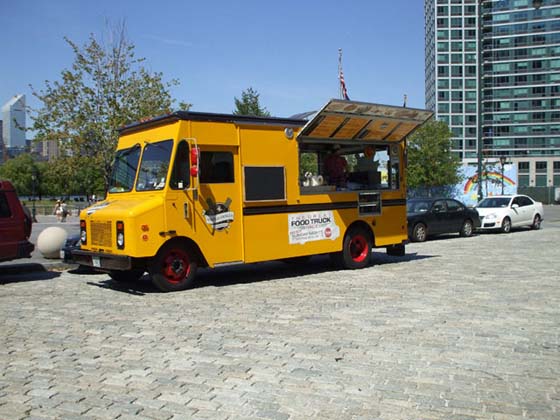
(15, 225)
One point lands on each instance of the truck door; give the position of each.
(206, 206)
(219, 207)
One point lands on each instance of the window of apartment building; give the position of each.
(443, 71)
(442, 22)
(456, 46)
(443, 83)
(470, 95)
(456, 108)
(443, 46)
(540, 167)
(456, 34)
(442, 34)
(456, 71)
(456, 22)
(442, 10)
(540, 180)
(470, 107)
(538, 116)
(523, 180)
(443, 107)
(470, 58)
(470, 83)
(523, 167)
(456, 95)
(443, 58)
(471, 144)
(470, 10)
(444, 118)
(457, 120)
(470, 131)
(456, 58)
(470, 22)
(537, 64)
(556, 166)
(470, 34)
(470, 119)
(470, 46)
(443, 95)
(456, 10)
(457, 131)
(456, 83)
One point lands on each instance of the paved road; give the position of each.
(460, 328)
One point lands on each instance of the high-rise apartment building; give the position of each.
(13, 116)
(518, 42)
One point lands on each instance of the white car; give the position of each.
(503, 212)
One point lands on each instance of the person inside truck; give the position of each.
(336, 167)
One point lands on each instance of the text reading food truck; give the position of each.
(192, 190)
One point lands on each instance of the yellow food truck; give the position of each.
(194, 189)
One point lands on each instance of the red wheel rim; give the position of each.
(176, 266)
(358, 248)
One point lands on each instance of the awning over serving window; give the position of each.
(349, 120)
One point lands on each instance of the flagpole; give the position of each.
(340, 93)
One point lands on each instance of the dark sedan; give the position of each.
(437, 216)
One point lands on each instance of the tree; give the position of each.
(430, 160)
(105, 89)
(249, 104)
(19, 171)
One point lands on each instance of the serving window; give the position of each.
(358, 166)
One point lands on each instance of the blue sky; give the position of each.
(287, 50)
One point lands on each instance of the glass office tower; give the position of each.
(519, 80)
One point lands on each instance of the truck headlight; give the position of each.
(120, 235)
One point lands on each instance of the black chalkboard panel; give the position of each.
(264, 183)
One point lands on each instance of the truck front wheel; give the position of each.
(174, 268)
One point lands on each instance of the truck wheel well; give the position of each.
(363, 225)
(188, 243)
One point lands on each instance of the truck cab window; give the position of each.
(154, 165)
(180, 175)
(124, 169)
(216, 167)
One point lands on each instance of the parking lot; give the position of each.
(459, 328)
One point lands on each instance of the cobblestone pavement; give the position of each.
(460, 328)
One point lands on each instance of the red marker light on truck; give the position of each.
(194, 161)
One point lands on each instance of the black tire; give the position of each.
(126, 276)
(536, 222)
(396, 250)
(506, 225)
(174, 267)
(467, 228)
(356, 249)
(419, 233)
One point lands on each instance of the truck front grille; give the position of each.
(101, 233)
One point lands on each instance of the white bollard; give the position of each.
(51, 240)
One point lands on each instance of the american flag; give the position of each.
(343, 91)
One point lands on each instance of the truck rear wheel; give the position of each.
(356, 249)
(174, 268)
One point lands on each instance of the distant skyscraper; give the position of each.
(13, 116)
(519, 82)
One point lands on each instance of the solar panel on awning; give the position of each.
(350, 120)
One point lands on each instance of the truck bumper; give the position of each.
(102, 262)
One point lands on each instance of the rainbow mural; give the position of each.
(494, 177)
(467, 191)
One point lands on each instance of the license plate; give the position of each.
(96, 262)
